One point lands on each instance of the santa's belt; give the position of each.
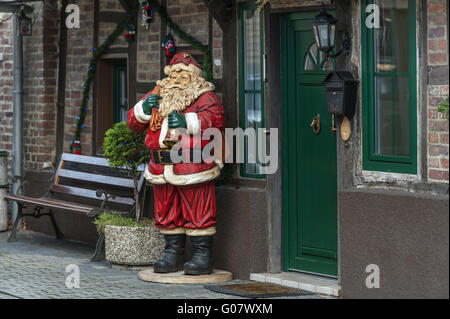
(163, 156)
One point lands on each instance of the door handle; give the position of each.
(333, 126)
(315, 124)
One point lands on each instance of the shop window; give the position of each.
(251, 81)
(389, 88)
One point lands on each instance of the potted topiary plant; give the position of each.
(128, 241)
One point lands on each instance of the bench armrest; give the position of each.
(100, 193)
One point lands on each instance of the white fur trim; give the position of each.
(192, 123)
(140, 115)
(208, 87)
(219, 163)
(190, 179)
(174, 231)
(154, 179)
(164, 130)
(210, 231)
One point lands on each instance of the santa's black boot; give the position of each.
(173, 258)
(201, 262)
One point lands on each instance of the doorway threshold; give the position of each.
(312, 283)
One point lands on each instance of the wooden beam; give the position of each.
(163, 60)
(221, 11)
(127, 4)
(61, 96)
(96, 26)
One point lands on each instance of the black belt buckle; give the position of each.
(161, 157)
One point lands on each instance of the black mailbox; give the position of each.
(341, 91)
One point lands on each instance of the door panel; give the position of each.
(310, 173)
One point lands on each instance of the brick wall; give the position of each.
(106, 28)
(40, 72)
(438, 125)
(148, 52)
(79, 52)
(39, 86)
(193, 18)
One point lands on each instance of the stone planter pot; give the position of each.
(133, 246)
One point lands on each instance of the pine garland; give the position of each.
(93, 65)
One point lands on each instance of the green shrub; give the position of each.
(125, 148)
(443, 107)
(116, 220)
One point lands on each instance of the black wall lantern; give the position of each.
(324, 27)
(25, 23)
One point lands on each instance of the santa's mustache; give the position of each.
(176, 86)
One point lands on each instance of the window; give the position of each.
(316, 60)
(389, 88)
(120, 91)
(251, 81)
(111, 98)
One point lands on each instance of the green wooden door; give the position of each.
(309, 158)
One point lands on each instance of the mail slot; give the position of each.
(341, 91)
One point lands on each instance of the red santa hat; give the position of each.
(186, 62)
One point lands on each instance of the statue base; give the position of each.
(180, 278)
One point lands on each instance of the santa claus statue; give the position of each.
(184, 198)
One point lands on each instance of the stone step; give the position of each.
(317, 284)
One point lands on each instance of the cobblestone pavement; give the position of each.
(35, 267)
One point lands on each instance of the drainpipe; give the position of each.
(17, 147)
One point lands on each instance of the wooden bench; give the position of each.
(82, 185)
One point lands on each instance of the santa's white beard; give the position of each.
(175, 99)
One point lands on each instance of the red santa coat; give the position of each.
(206, 112)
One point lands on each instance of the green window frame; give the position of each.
(251, 80)
(389, 119)
(120, 98)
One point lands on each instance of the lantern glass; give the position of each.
(25, 26)
(332, 35)
(324, 37)
(324, 27)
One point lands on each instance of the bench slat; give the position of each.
(102, 179)
(82, 192)
(100, 161)
(50, 203)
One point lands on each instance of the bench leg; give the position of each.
(99, 254)
(12, 235)
(59, 234)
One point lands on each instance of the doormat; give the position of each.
(258, 290)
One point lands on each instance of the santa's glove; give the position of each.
(177, 120)
(150, 103)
